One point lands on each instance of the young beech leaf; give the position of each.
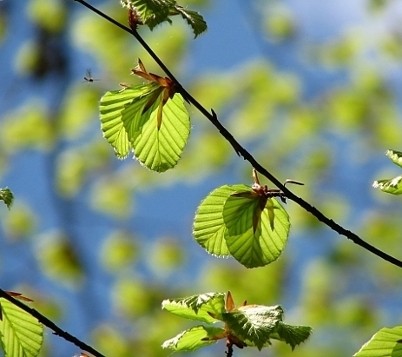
(154, 12)
(235, 220)
(393, 186)
(256, 325)
(20, 333)
(257, 228)
(194, 338)
(395, 156)
(112, 105)
(205, 307)
(146, 120)
(163, 134)
(209, 226)
(6, 196)
(386, 342)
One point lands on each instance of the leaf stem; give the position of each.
(51, 325)
(213, 118)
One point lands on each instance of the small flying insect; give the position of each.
(88, 77)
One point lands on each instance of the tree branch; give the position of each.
(46, 322)
(212, 117)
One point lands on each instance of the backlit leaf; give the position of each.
(393, 186)
(21, 334)
(257, 324)
(386, 342)
(209, 227)
(143, 120)
(255, 235)
(205, 307)
(112, 105)
(395, 156)
(194, 338)
(194, 19)
(154, 12)
(161, 141)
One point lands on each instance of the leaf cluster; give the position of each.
(244, 326)
(154, 12)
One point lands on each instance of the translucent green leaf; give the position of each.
(21, 334)
(209, 226)
(138, 119)
(111, 107)
(152, 12)
(6, 196)
(205, 307)
(194, 19)
(393, 186)
(257, 324)
(257, 229)
(292, 335)
(194, 338)
(386, 342)
(254, 324)
(161, 141)
(395, 156)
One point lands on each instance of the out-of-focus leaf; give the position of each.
(19, 222)
(6, 196)
(386, 342)
(112, 196)
(205, 307)
(119, 251)
(194, 338)
(21, 334)
(58, 258)
(395, 156)
(48, 14)
(393, 186)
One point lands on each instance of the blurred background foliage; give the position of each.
(312, 88)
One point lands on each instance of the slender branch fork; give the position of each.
(213, 118)
(46, 322)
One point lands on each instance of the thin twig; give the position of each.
(213, 118)
(51, 325)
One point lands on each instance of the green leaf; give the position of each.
(292, 335)
(209, 226)
(194, 338)
(393, 186)
(395, 156)
(194, 19)
(257, 324)
(254, 324)
(205, 307)
(6, 196)
(21, 334)
(138, 119)
(257, 228)
(152, 12)
(386, 342)
(159, 146)
(112, 105)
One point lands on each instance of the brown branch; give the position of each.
(50, 324)
(213, 118)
